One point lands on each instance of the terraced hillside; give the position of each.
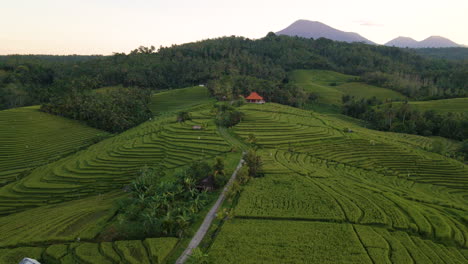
(366, 196)
(112, 163)
(151, 250)
(30, 138)
(455, 105)
(178, 99)
(331, 86)
(57, 212)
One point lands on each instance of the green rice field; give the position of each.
(331, 86)
(326, 196)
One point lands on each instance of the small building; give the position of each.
(255, 98)
(207, 184)
(196, 127)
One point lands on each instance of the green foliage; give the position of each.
(227, 116)
(114, 111)
(230, 87)
(403, 119)
(198, 257)
(183, 116)
(254, 163)
(219, 174)
(28, 80)
(161, 207)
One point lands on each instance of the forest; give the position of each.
(29, 80)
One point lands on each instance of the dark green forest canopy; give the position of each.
(26, 80)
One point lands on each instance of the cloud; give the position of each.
(368, 23)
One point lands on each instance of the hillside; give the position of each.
(75, 198)
(331, 86)
(455, 105)
(430, 42)
(371, 196)
(30, 138)
(364, 196)
(178, 99)
(315, 29)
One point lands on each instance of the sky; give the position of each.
(108, 26)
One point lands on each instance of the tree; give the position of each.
(254, 162)
(183, 116)
(252, 139)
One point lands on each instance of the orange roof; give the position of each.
(254, 96)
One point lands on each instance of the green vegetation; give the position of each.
(29, 80)
(179, 99)
(331, 190)
(65, 222)
(30, 138)
(366, 196)
(329, 87)
(114, 111)
(69, 205)
(151, 250)
(113, 163)
(455, 105)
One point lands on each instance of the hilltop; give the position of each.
(430, 42)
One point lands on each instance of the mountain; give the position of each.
(314, 29)
(402, 42)
(430, 42)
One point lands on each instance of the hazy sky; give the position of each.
(106, 26)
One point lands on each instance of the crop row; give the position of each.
(112, 163)
(151, 250)
(65, 222)
(308, 188)
(29, 138)
(280, 241)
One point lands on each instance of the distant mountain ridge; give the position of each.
(430, 42)
(315, 29)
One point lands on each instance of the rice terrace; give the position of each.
(308, 145)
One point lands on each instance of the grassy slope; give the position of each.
(30, 138)
(320, 82)
(323, 187)
(178, 99)
(456, 105)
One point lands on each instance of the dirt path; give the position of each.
(198, 237)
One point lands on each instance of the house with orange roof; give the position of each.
(255, 98)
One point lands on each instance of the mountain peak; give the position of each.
(430, 42)
(315, 29)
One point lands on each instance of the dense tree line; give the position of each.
(265, 62)
(456, 53)
(230, 87)
(114, 111)
(403, 119)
